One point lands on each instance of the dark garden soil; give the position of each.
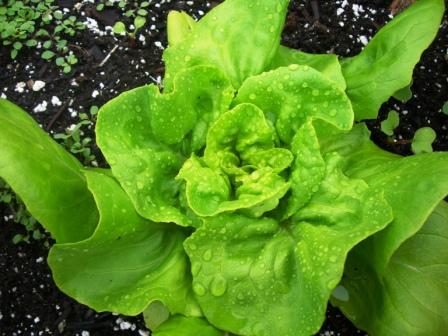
(30, 304)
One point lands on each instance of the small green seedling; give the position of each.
(391, 123)
(120, 27)
(445, 108)
(423, 140)
(404, 94)
(75, 141)
(20, 215)
(39, 25)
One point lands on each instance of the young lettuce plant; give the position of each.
(244, 197)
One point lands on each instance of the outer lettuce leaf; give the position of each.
(292, 94)
(379, 287)
(258, 277)
(47, 178)
(187, 326)
(180, 26)
(386, 64)
(413, 186)
(128, 262)
(146, 135)
(410, 297)
(238, 36)
(327, 64)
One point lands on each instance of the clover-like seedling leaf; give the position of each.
(445, 108)
(119, 28)
(423, 139)
(404, 94)
(391, 123)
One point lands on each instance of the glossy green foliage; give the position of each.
(179, 25)
(147, 145)
(128, 262)
(387, 62)
(59, 198)
(258, 268)
(236, 194)
(240, 168)
(289, 95)
(409, 297)
(327, 64)
(238, 37)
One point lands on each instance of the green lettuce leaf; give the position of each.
(261, 277)
(146, 137)
(179, 26)
(240, 166)
(187, 326)
(308, 170)
(413, 186)
(238, 36)
(386, 64)
(128, 262)
(379, 292)
(410, 297)
(46, 177)
(327, 64)
(290, 95)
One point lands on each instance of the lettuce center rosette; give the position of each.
(242, 169)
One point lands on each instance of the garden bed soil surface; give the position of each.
(30, 302)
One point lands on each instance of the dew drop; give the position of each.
(252, 96)
(207, 256)
(218, 286)
(199, 289)
(195, 268)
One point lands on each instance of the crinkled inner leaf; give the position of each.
(308, 170)
(232, 176)
(258, 277)
(146, 136)
(128, 262)
(290, 95)
(238, 36)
